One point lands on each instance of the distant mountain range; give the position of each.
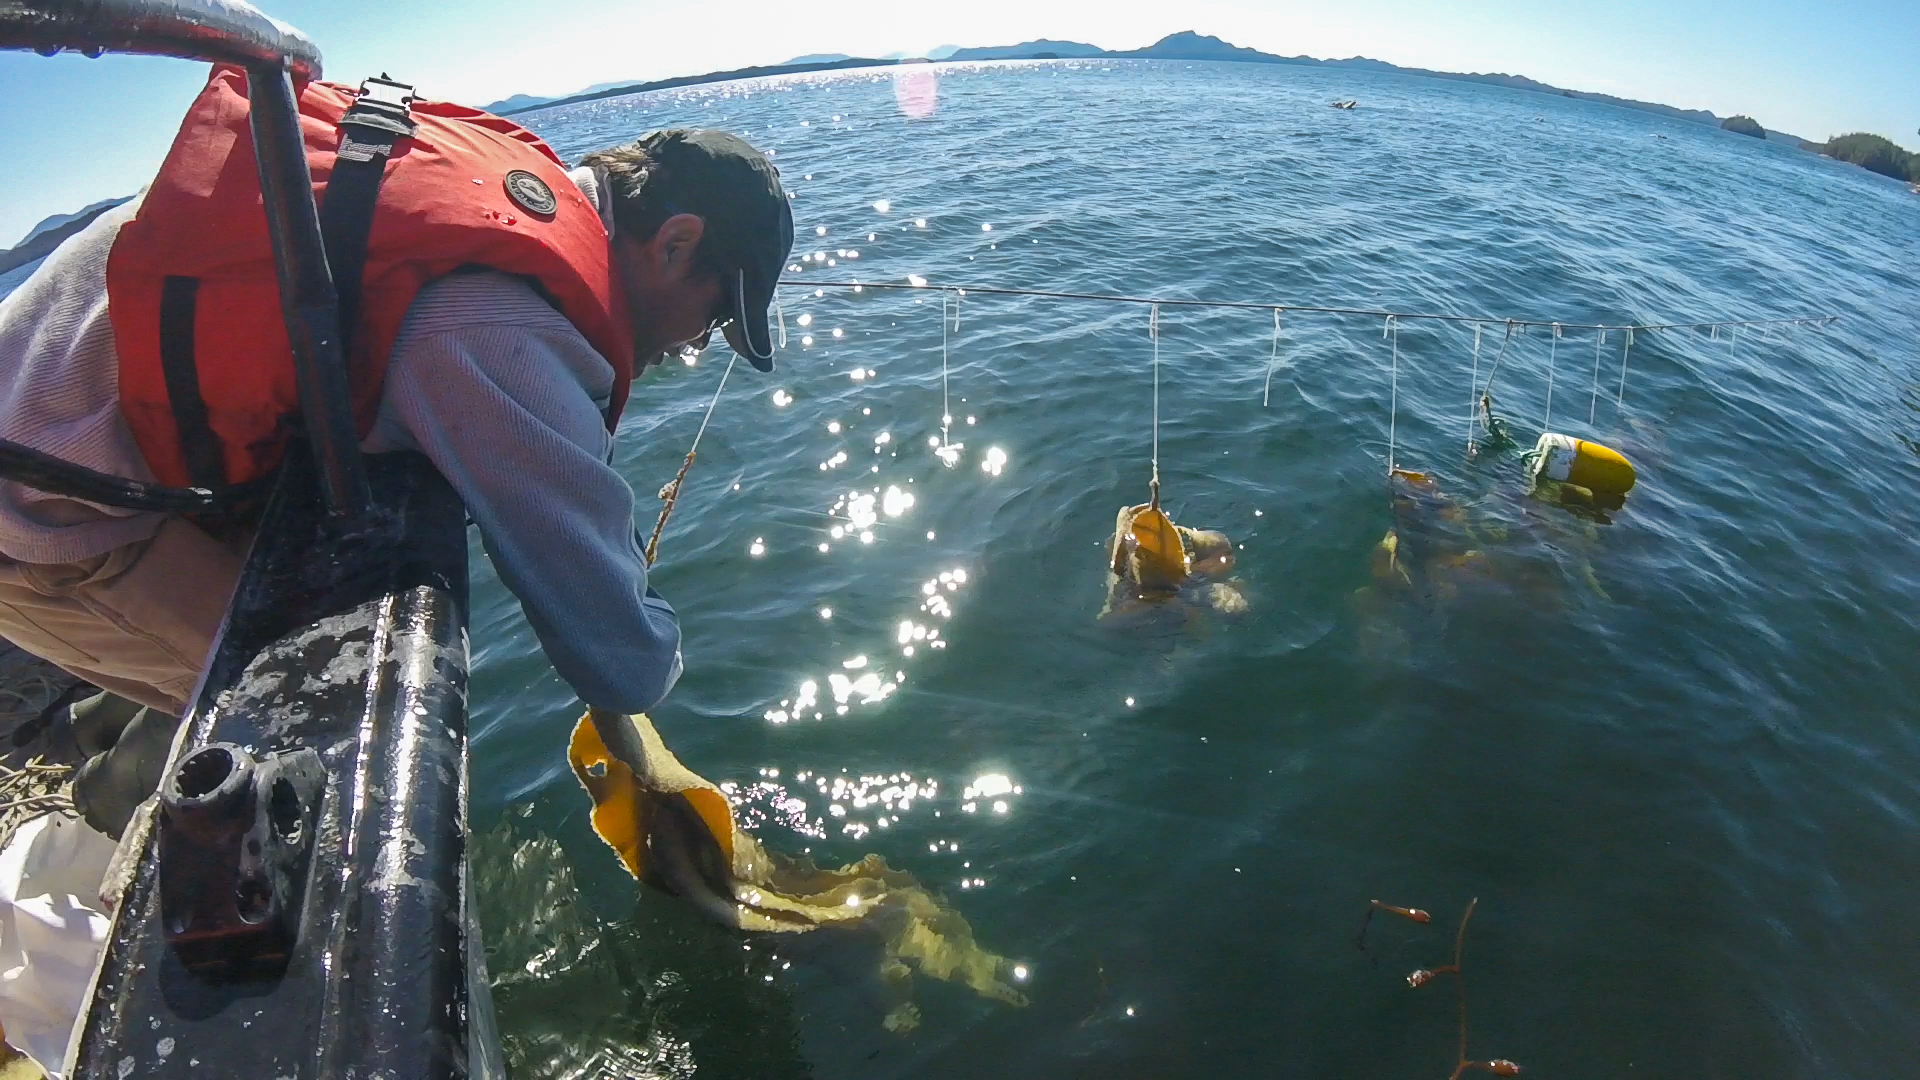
(1187, 45)
(44, 237)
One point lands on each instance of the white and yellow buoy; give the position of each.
(1600, 469)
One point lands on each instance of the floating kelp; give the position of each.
(1151, 561)
(674, 830)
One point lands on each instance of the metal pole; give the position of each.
(307, 300)
(221, 31)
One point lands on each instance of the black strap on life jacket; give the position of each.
(178, 308)
(377, 120)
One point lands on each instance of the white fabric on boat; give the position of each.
(52, 929)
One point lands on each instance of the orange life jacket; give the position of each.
(191, 279)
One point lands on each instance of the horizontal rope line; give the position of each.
(1820, 320)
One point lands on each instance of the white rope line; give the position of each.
(1553, 347)
(1153, 331)
(1473, 388)
(1392, 329)
(1499, 358)
(781, 317)
(1624, 350)
(1375, 313)
(1273, 361)
(946, 408)
(716, 400)
(1599, 339)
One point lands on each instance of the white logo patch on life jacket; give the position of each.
(530, 192)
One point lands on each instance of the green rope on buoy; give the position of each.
(1499, 432)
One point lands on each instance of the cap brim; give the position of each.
(748, 333)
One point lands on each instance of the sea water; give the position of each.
(1674, 755)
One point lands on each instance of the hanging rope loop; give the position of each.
(1599, 342)
(1153, 331)
(1473, 390)
(1553, 349)
(1624, 350)
(1273, 361)
(946, 407)
(1392, 329)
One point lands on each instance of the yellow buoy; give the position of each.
(1600, 469)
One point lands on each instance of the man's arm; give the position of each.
(504, 396)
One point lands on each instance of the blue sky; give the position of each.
(97, 128)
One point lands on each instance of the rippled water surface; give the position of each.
(1674, 756)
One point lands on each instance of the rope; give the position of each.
(1499, 358)
(946, 410)
(1486, 392)
(1376, 313)
(1153, 331)
(1624, 350)
(1272, 361)
(670, 495)
(1553, 347)
(1498, 437)
(1473, 386)
(1599, 339)
(1392, 329)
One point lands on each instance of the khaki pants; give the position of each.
(137, 621)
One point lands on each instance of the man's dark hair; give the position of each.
(644, 191)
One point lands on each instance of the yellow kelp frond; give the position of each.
(624, 807)
(1147, 549)
(1386, 561)
(675, 830)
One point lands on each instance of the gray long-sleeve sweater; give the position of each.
(486, 379)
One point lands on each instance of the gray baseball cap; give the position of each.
(749, 224)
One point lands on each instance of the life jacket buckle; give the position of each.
(385, 91)
(380, 107)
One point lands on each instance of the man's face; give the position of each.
(672, 301)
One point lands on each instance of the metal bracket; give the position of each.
(236, 838)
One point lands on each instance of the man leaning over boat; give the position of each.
(505, 305)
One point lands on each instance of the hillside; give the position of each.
(1065, 50)
(1186, 45)
(1874, 153)
(47, 235)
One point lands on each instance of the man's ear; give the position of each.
(678, 239)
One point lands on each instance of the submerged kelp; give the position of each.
(675, 830)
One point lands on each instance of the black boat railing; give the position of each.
(219, 31)
(299, 904)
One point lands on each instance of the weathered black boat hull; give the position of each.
(348, 637)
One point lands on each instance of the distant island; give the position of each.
(1186, 45)
(1871, 152)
